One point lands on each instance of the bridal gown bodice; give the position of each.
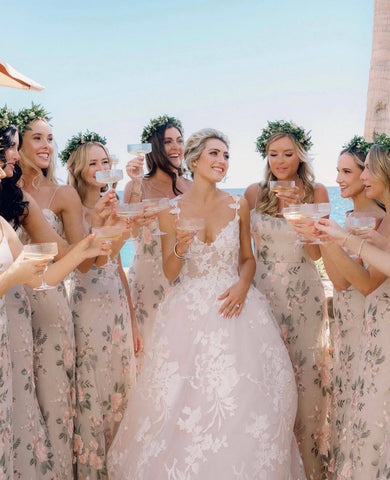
(216, 397)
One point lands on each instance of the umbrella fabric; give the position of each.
(9, 77)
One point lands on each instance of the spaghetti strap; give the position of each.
(52, 197)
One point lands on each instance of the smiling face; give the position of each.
(38, 144)
(97, 160)
(373, 186)
(173, 146)
(213, 162)
(12, 157)
(348, 176)
(283, 159)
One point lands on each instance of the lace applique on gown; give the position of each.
(216, 397)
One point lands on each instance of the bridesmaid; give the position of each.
(348, 303)
(105, 325)
(52, 319)
(367, 422)
(288, 277)
(164, 179)
(33, 456)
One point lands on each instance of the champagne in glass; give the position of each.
(281, 186)
(293, 213)
(190, 224)
(109, 177)
(108, 232)
(41, 251)
(139, 150)
(129, 210)
(156, 205)
(315, 211)
(360, 223)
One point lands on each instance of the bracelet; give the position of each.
(346, 239)
(360, 247)
(180, 257)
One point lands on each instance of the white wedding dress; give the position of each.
(216, 398)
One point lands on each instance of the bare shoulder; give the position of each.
(320, 193)
(185, 184)
(251, 194)
(67, 197)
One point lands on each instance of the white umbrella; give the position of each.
(9, 77)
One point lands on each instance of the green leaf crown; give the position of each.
(358, 145)
(156, 123)
(7, 118)
(282, 126)
(28, 115)
(77, 140)
(383, 141)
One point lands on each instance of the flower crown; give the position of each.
(77, 140)
(7, 118)
(383, 141)
(358, 145)
(156, 123)
(281, 126)
(28, 115)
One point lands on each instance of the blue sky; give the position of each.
(232, 65)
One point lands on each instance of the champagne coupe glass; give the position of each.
(315, 211)
(109, 177)
(156, 205)
(190, 224)
(129, 210)
(360, 223)
(281, 186)
(291, 214)
(108, 232)
(139, 150)
(41, 251)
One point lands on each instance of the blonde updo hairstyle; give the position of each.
(379, 164)
(40, 172)
(267, 202)
(78, 164)
(196, 143)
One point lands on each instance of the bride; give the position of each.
(217, 395)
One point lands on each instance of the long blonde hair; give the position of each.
(40, 173)
(379, 163)
(78, 164)
(267, 202)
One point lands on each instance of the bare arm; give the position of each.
(137, 339)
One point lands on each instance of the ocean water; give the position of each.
(338, 205)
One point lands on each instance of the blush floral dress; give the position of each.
(289, 279)
(105, 364)
(6, 427)
(216, 398)
(33, 452)
(54, 363)
(348, 307)
(368, 432)
(147, 282)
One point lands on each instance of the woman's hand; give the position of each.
(330, 231)
(91, 247)
(184, 238)
(135, 168)
(289, 197)
(27, 271)
(234, 299)
(104, 208)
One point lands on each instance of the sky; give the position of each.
(232, 65)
